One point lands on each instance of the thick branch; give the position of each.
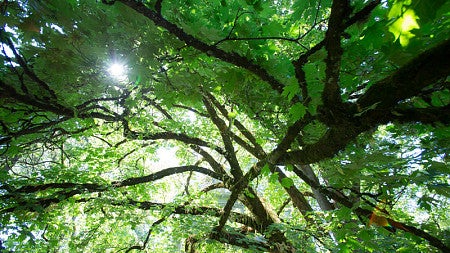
(270, 161)
(9, 92)
(211, 50)
(366, 213)
(225, 133)
(43, 187)
(217, 167)
(426, 69)
(128, 133)
(376, 104)
(127, 182)
(72, 189)
(32, 129)
(199, 210)
(298, 64)
(27, 70)
(363, 14)
(298, 199)
(256, 150)
(340, 10)
(165, 173)
(239, 240)
(322, 200)
(333, 141)
(424, 115)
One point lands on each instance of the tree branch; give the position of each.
(363, 14)
(256, 149)
(429, 115)
(10, 92)
(71, 189)
(164, 173)
(26, 69)
(239, 240)
(375, 106)
(254, 171)
(225, 133)
(298, 64)
(366, 213)
(218, 168)
(198, 210)
(128, 133)
(426, 69)
(331, 97)
(158, 6)
(211, 50)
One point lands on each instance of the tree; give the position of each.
(281, 126)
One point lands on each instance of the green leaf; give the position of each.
(297, 111)
(440, 98)
(291, 90)
(289, 167)
(287, 182)
(90, 163)
(273, 178)
(232, 115)
(265, 171)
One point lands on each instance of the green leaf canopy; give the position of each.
(224, 126)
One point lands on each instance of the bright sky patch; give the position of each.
(118, 71)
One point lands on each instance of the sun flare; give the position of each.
(118, 71)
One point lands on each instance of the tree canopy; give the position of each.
(225, 126)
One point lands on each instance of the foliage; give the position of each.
(236, 126)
